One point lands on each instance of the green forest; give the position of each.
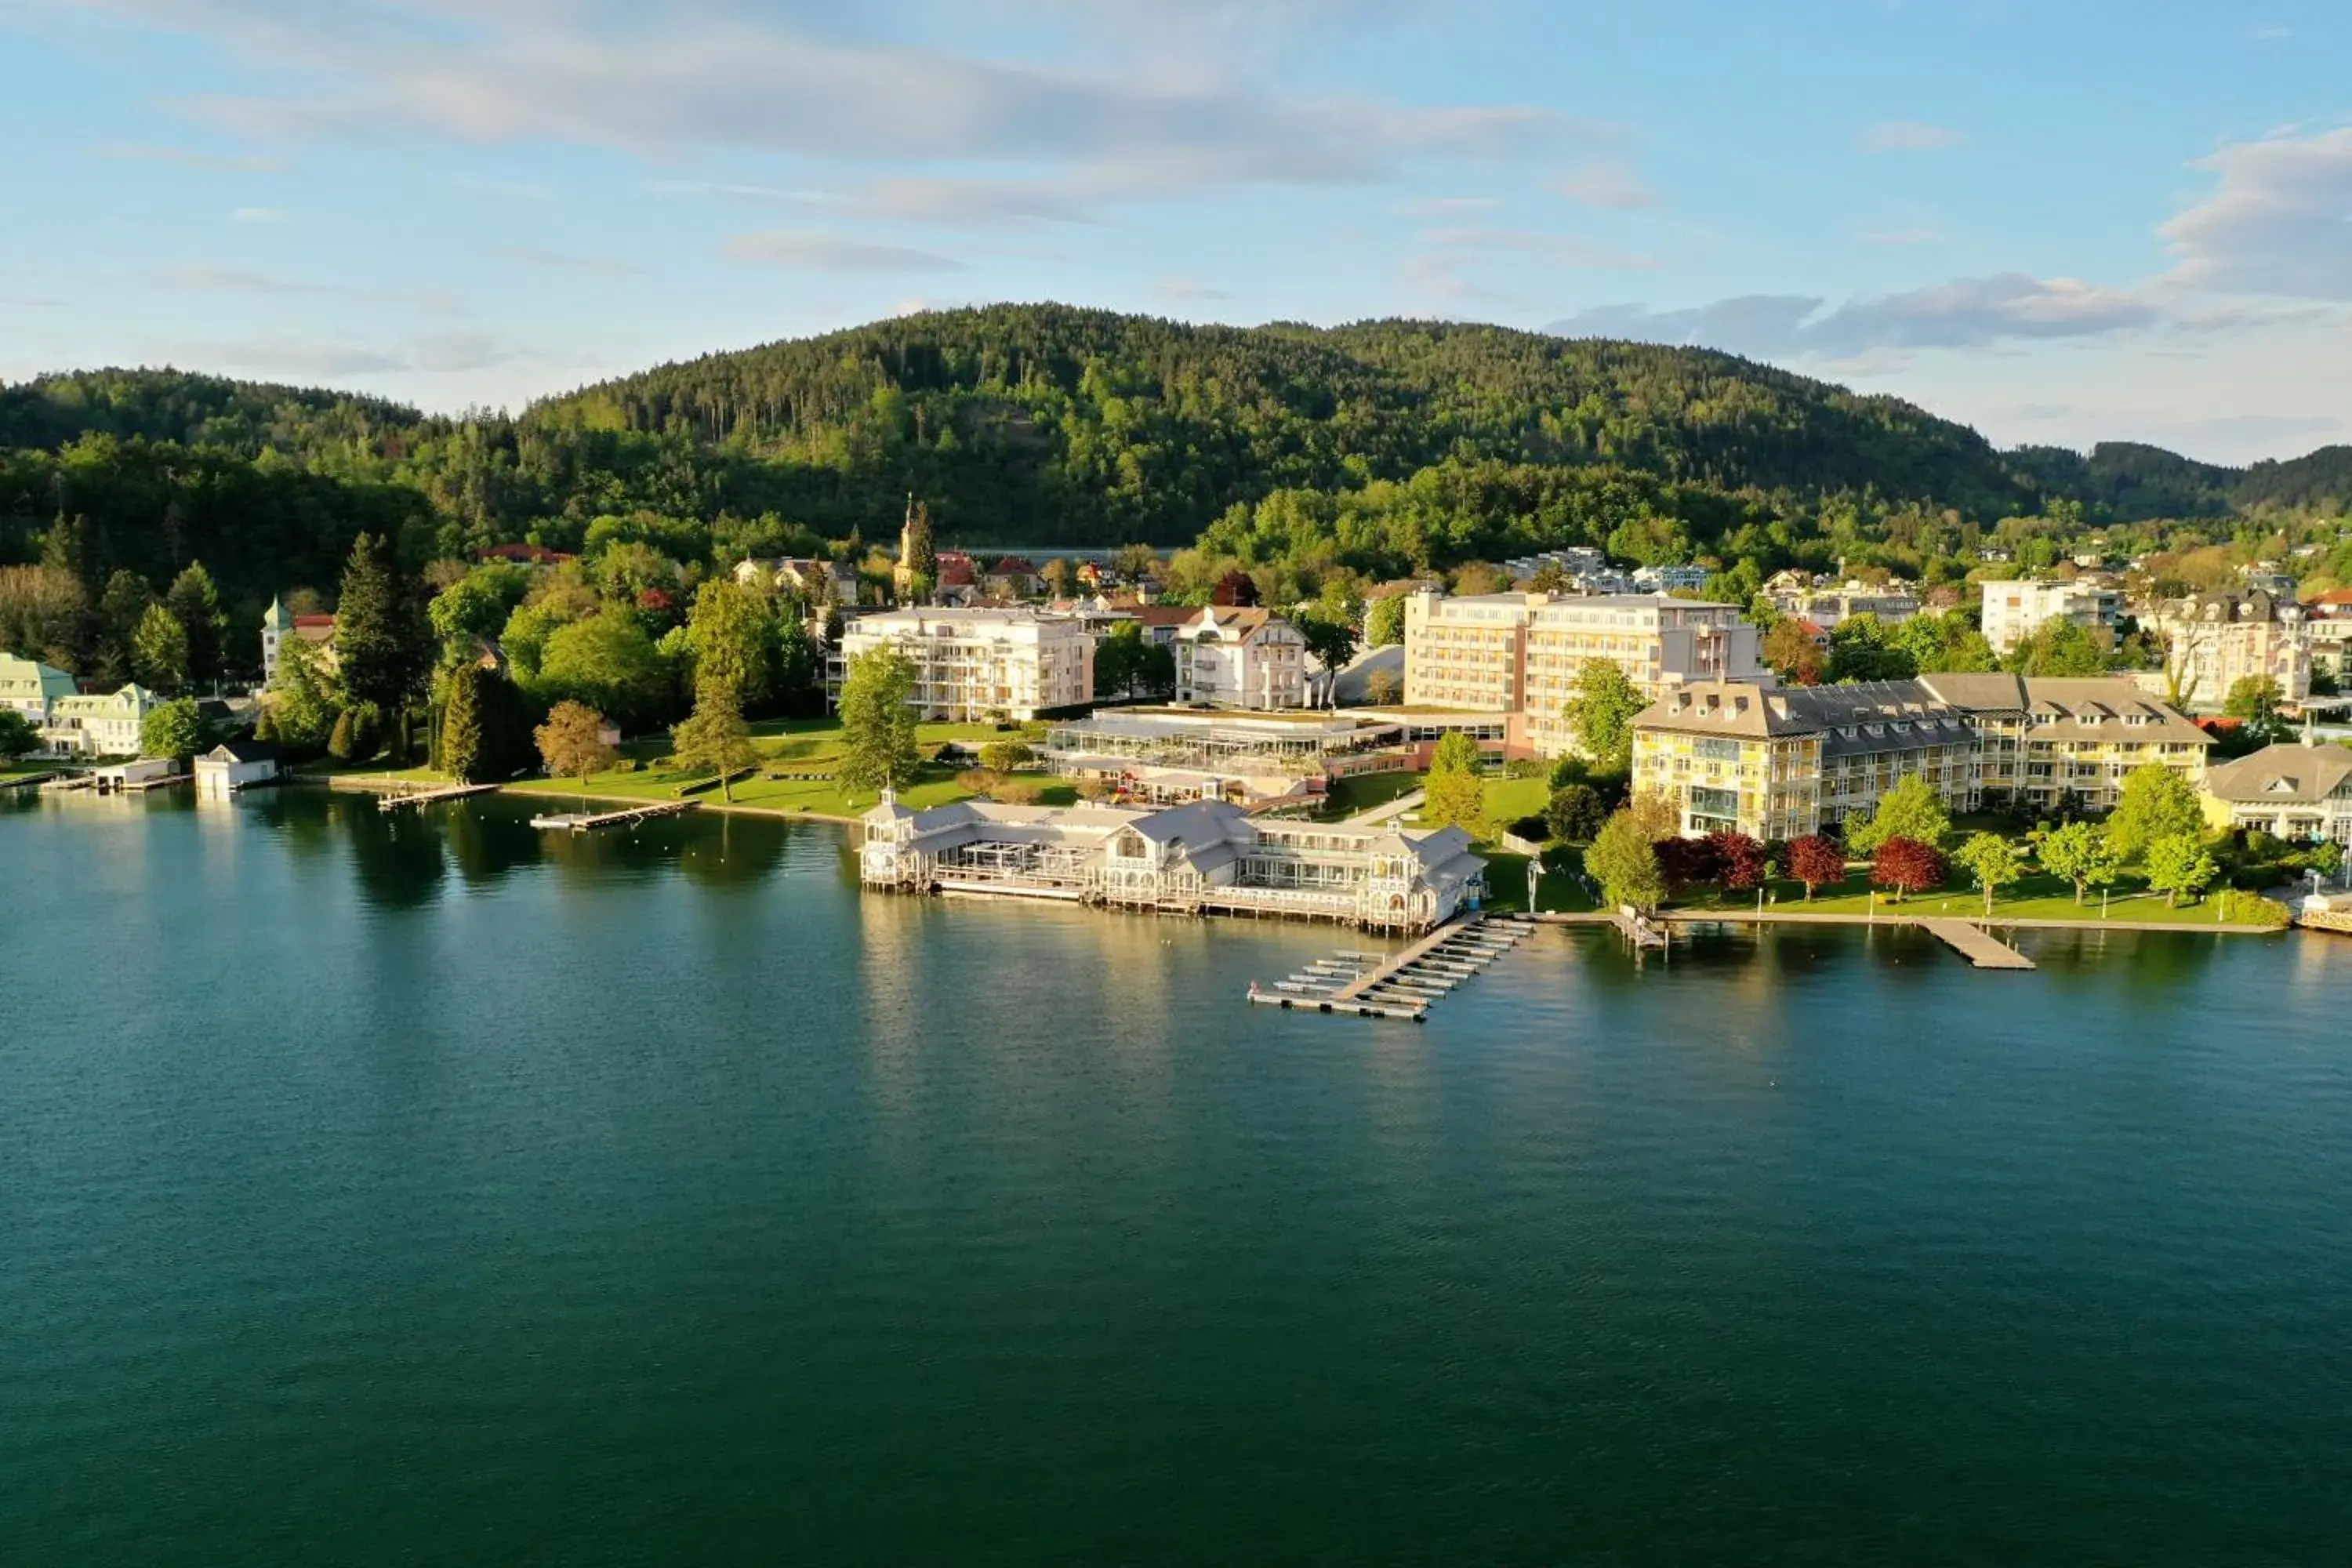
(1301, 456)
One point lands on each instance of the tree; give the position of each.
(1119, 659)
(1383, 689)
(1384, 622)
(571, 742)
(2059, 647)
(1155, 670)
(1862, 649)
(356, 736)
(608, 663)
(2177, 864)
(174, 730)
(159, 650)
(476, 606)
(1330, 640)
(1453, 795)
(383, 644)
(1741, 862)
(2156, 802)
(732, 641)
(1993, 861)
(1907, 866)
(2080, 853)
(715, 739)
(2255, 698)
(1576, 812)
(119, 610)
(1817, 860)
(1790, 650)
(461, 732)
(303, 701)
(194, 599)
(1007, 756)
(1910, 810)
(1602, 712)
(877, 722)
(1623, 859)
(1687, 862)
(918, 552)
(17, 735)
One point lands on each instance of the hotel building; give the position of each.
(2014, 611)
(973, 664)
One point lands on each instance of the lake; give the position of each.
(429, 1189)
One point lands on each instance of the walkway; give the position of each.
(1400, 806)
(1977, 945)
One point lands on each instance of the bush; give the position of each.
(989, 782)
(1534, 829)
(356, 736)
(1006, 756)
(1020, 792)
(1525, 768)
(2238, 908)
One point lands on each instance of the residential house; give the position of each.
(1014, 577)
(975, 664)
(32, 688)
(1230, 658)
(95, 726)
(277, 625)
(2216, 640)
(2297, 790)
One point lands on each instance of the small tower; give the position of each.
(276, 626)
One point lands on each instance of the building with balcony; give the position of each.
(972, 664)
(1523, 653)
(2215, 640)
(1207, 858)
(1781, 763)
(1232, 658)
(2014, 611)
(96, 726)
(2298, 792)
(32, 688)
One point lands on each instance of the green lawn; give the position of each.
(1507, 800)
(1364, 790)
(1561, 891)
(2036, 898)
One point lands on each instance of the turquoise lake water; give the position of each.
(405, 1190)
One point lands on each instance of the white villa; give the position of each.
(1241, 659)
(105, 726)
(1207, 858)
(972, 664)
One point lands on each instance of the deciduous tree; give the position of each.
(732, 641)
(1911, 809)
(159, 650)
(1384, 622)
(1739, 861)
(877, 724)
(1623, 859)
(1907, 866)
(715, 739)
(1790, 648)
(2178, 863)
(1453, 795)
(1576, 812)
(1817, 860)
(571, 742)
(2156, 802)
(17, 735)
(1601, 712)
(1993, 861)
(174, 730)
(2080, 853)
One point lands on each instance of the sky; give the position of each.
(2061, 221)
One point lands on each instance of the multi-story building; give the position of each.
(2014, 611)
(1670, 579)
(970, 663)
(100, 726)
(1778, 763)
(2331, 634)
(1522, 653)
(2215, 640)
(277, 625)
(1231, 657)
(32, 688)
(2296, 791)
(815, 581)
(1793, 596)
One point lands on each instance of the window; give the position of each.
(1710, 749)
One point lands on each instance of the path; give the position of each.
(1377, 814)
(1977, 945)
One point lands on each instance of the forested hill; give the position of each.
(191, 410)
(1051, 425)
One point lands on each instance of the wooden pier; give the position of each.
(588, 822)
(1398, 986)
(1639, 929)
(422, 797)
(1977, 945)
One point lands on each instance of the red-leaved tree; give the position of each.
(1907, 866)
(1817, 860)
(1738, 861)
(1687, 862)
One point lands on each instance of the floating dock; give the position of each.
(422, 797)
(588, 822)
(1977, 945)
(60, 783)
(1398, 986)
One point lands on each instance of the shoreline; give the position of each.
(379, 784)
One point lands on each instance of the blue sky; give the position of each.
(2065, 221)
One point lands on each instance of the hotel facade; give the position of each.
(1522, 653)
(972, 664)
(1779, 764)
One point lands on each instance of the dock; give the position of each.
(422, 797)
(1639, 929)
(588, 822)
(1977, 945)
(32, 781)
(1400, 985)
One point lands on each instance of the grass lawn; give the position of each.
(1561, 891)
(1364, 790)
(1507, 800)
(2036, 898)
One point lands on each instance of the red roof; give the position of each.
(1013, 566)
(529, 554)
(1166, 614)
(955, 573)
(301, 621)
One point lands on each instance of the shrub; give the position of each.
(1006, 756)
(2237, 908)
(989, 782)
(1525, 768)
(1019, 792)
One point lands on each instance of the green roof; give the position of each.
(23, 678)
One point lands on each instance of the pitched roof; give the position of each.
(242, 751)
(2288, 772)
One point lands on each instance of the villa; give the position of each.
(2295, 792)
(97, 726)
(1207, 858)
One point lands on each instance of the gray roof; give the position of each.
(2289, 773)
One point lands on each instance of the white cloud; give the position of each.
(1188, 289)
(1552, 249)
(257, 214)
(833, 253)
(1610, 186)
(1908, 136)
(1969, 313)
(2278, 220)
(285, 356)
(206, 280)
(1447, 206)
(558, 261)
(187, 158)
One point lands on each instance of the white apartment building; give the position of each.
(105, 726)
(2215, 640)
(1522, 653)
(1231, 657)
(32, 688)
(1826, 606)
(971, 664)
(2014, 611)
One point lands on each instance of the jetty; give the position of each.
(1639, 929)
(422, 797)
(1977, 944)
(31, 781)
(589, 822)
(58, 784)
(1400, 985)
